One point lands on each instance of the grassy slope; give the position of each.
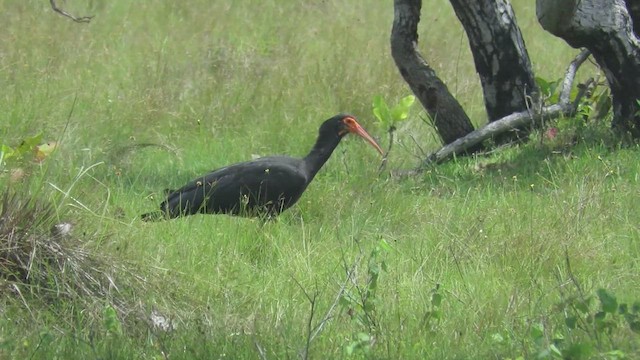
(215, 82)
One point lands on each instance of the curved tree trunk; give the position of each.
(449, 118)
(604, 27)
(500, 56)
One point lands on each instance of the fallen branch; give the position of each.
(82, 19)
(563, 108)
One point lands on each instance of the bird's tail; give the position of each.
(153, 216)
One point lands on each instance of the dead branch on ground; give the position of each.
(81, 19)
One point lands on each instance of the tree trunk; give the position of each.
(633, 6)
(449, 118)
(500, 56)
(604, 27)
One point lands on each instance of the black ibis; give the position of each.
(263, 187)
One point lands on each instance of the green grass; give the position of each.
(210, 83)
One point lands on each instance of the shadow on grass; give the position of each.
(541, 163)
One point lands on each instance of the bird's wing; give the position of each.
(190, 198)
(225, 189)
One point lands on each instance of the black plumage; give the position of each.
(262, 187)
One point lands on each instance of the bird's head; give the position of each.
(342, 125)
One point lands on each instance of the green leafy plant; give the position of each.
(601, 318)
(388, 117)
(27, 146)
(592, 100)
(433, 314)
(30, 151)
(361, 302)
(111, 322)
(548, 89)
(596, 105)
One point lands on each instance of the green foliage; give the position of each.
(591, 327)
(361, 302)
(434, 315)
(112, 324)
(596, 105)
(27, 148)
(389, 117)
(549, 89)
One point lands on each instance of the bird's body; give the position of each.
(262, 187)
(266, 185)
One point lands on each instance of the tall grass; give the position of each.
(151, 94)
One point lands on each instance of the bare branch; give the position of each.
(313, 331)
(82, 19)
(563, 108)
(570, 74)
(328, 315)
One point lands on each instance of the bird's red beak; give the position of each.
(355, 128)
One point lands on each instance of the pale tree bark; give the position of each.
(449, 118)
(564, 107)
(605, 28)
(500, 57)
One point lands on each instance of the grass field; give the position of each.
(493, 257)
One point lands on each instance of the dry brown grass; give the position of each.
(41, 260)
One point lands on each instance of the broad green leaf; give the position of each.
(111, 322)
(381, 111)
(399, 114)
(384, 245)
(608, 301)
(28, 144)
(350, 348)
(543, 84)
(369, 307)
(537, 331)
(401, 110)
(364, 337)
(6, 152)
(407, 101)
(583, 306)
(436, 299)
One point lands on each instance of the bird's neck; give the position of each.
(320, 153)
